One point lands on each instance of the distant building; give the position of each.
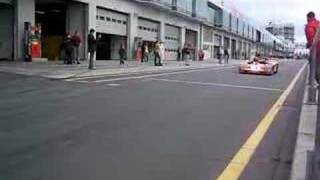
(287, 31)
(301, 50)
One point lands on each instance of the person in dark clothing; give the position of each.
(76, 41)
(201, 55)
(122, 54)
(187, 50)
(68, 49)
(226, 56)
(92, 47)
(179, 54)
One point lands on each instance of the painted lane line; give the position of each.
(137, 73)
(216, 84)
(113, 84)
(155, 75)
(241, 159)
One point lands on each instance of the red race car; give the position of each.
(259, 66)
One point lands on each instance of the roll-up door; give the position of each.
(110, 22)
(172, 42)
(148, 30)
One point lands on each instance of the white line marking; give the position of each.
(155, 75)
(217, 84)
(113, 85)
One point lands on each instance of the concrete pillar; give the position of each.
(198, 44)
(132, 33)
(222, 40)
(201, 36)
(182, 39)
(92, 13)
(91, 22)
(24, 12)
(162, 31)
(182, 36)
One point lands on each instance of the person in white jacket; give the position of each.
(162, 53)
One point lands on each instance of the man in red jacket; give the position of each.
(311, 28)
(311, 31)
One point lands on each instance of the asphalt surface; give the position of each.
(184, 125)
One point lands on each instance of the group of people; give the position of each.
(144, 51)
(71, 44)
(70, 48)
(157, 49)
(223, 54)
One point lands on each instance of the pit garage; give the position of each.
(6, 30)
(191, 38)
(112, 30)
(57, 18)
(172, 42)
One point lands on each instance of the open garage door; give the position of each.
(112, 29)
(76, 21)
(6, 29)
(172, 42)
(191, 38)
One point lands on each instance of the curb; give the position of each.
(305, 142)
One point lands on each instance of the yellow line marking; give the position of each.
(241, 159)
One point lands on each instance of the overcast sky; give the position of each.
(286, 11)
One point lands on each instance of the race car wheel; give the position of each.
(276, 68)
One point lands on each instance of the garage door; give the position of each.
(76, 16)
(6, 36)
(172, 42)
(208, 34)
(148, 30)
(6, 1)
(191, 38)
(110, 22)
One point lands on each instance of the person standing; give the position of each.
(201, 55)
(92, 47)
(122, 54)
(311, 28)
(68, 49)
(187, 53)
(226, 56)
(162, 53)
(76, 41)
(157, 56)
(145, 53)
(221, 54)
(139, 52)
(179, 54)
(311, 31)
